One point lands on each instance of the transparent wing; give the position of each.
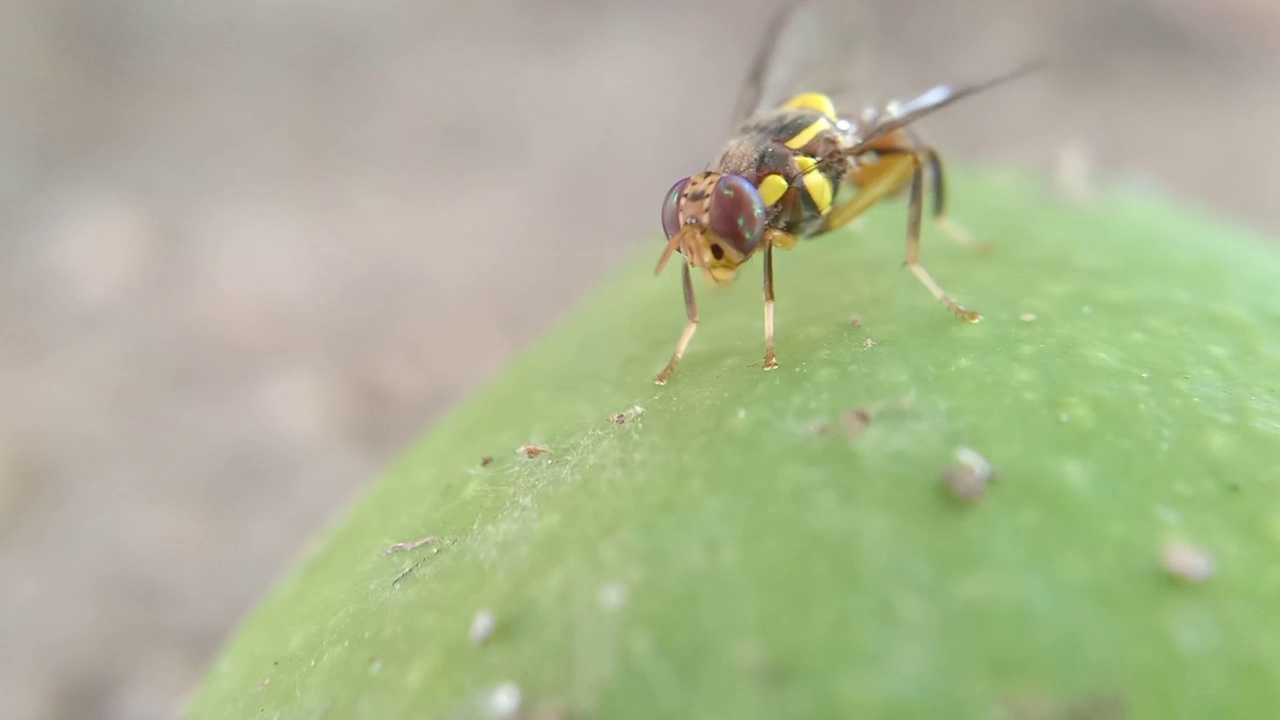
(939, 96)
(811, 46)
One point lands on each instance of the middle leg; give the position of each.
(786, 241)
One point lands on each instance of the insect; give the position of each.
(779, 178)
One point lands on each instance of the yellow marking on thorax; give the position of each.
(815, 183)
(803, 137)
(813, 101)
(772, 188)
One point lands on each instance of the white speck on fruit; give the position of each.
(1187, 562)
(503, 701)
(612, 596)
(482, 625)
(1072, 169)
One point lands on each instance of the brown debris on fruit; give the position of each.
(854, 422)
(818, 427)
(532, 450)
(631, 413)
(969, 476)
(410, 545)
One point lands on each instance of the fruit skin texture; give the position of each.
(734, 552)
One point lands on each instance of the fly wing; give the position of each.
(937, 97)
(810, 46)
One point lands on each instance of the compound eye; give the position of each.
(737, 213)
(671, 208)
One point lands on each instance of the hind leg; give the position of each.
(883, 178)
(915, 211)
(937, 183)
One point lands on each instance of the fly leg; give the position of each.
(937, 184)
(786, 241)
(691, 309)
(875, 182)
(883, 178)
(770, 360)
(915, 210)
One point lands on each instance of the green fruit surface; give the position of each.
(734, 551)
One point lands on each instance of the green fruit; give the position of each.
(735, 551)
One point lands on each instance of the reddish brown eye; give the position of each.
(671, 208)
(737, 213)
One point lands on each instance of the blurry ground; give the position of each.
(250, 249)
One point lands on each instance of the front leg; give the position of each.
(691, 309)
(770, 360)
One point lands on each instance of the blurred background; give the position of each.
(250, 248)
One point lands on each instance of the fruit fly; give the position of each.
(778, 179)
